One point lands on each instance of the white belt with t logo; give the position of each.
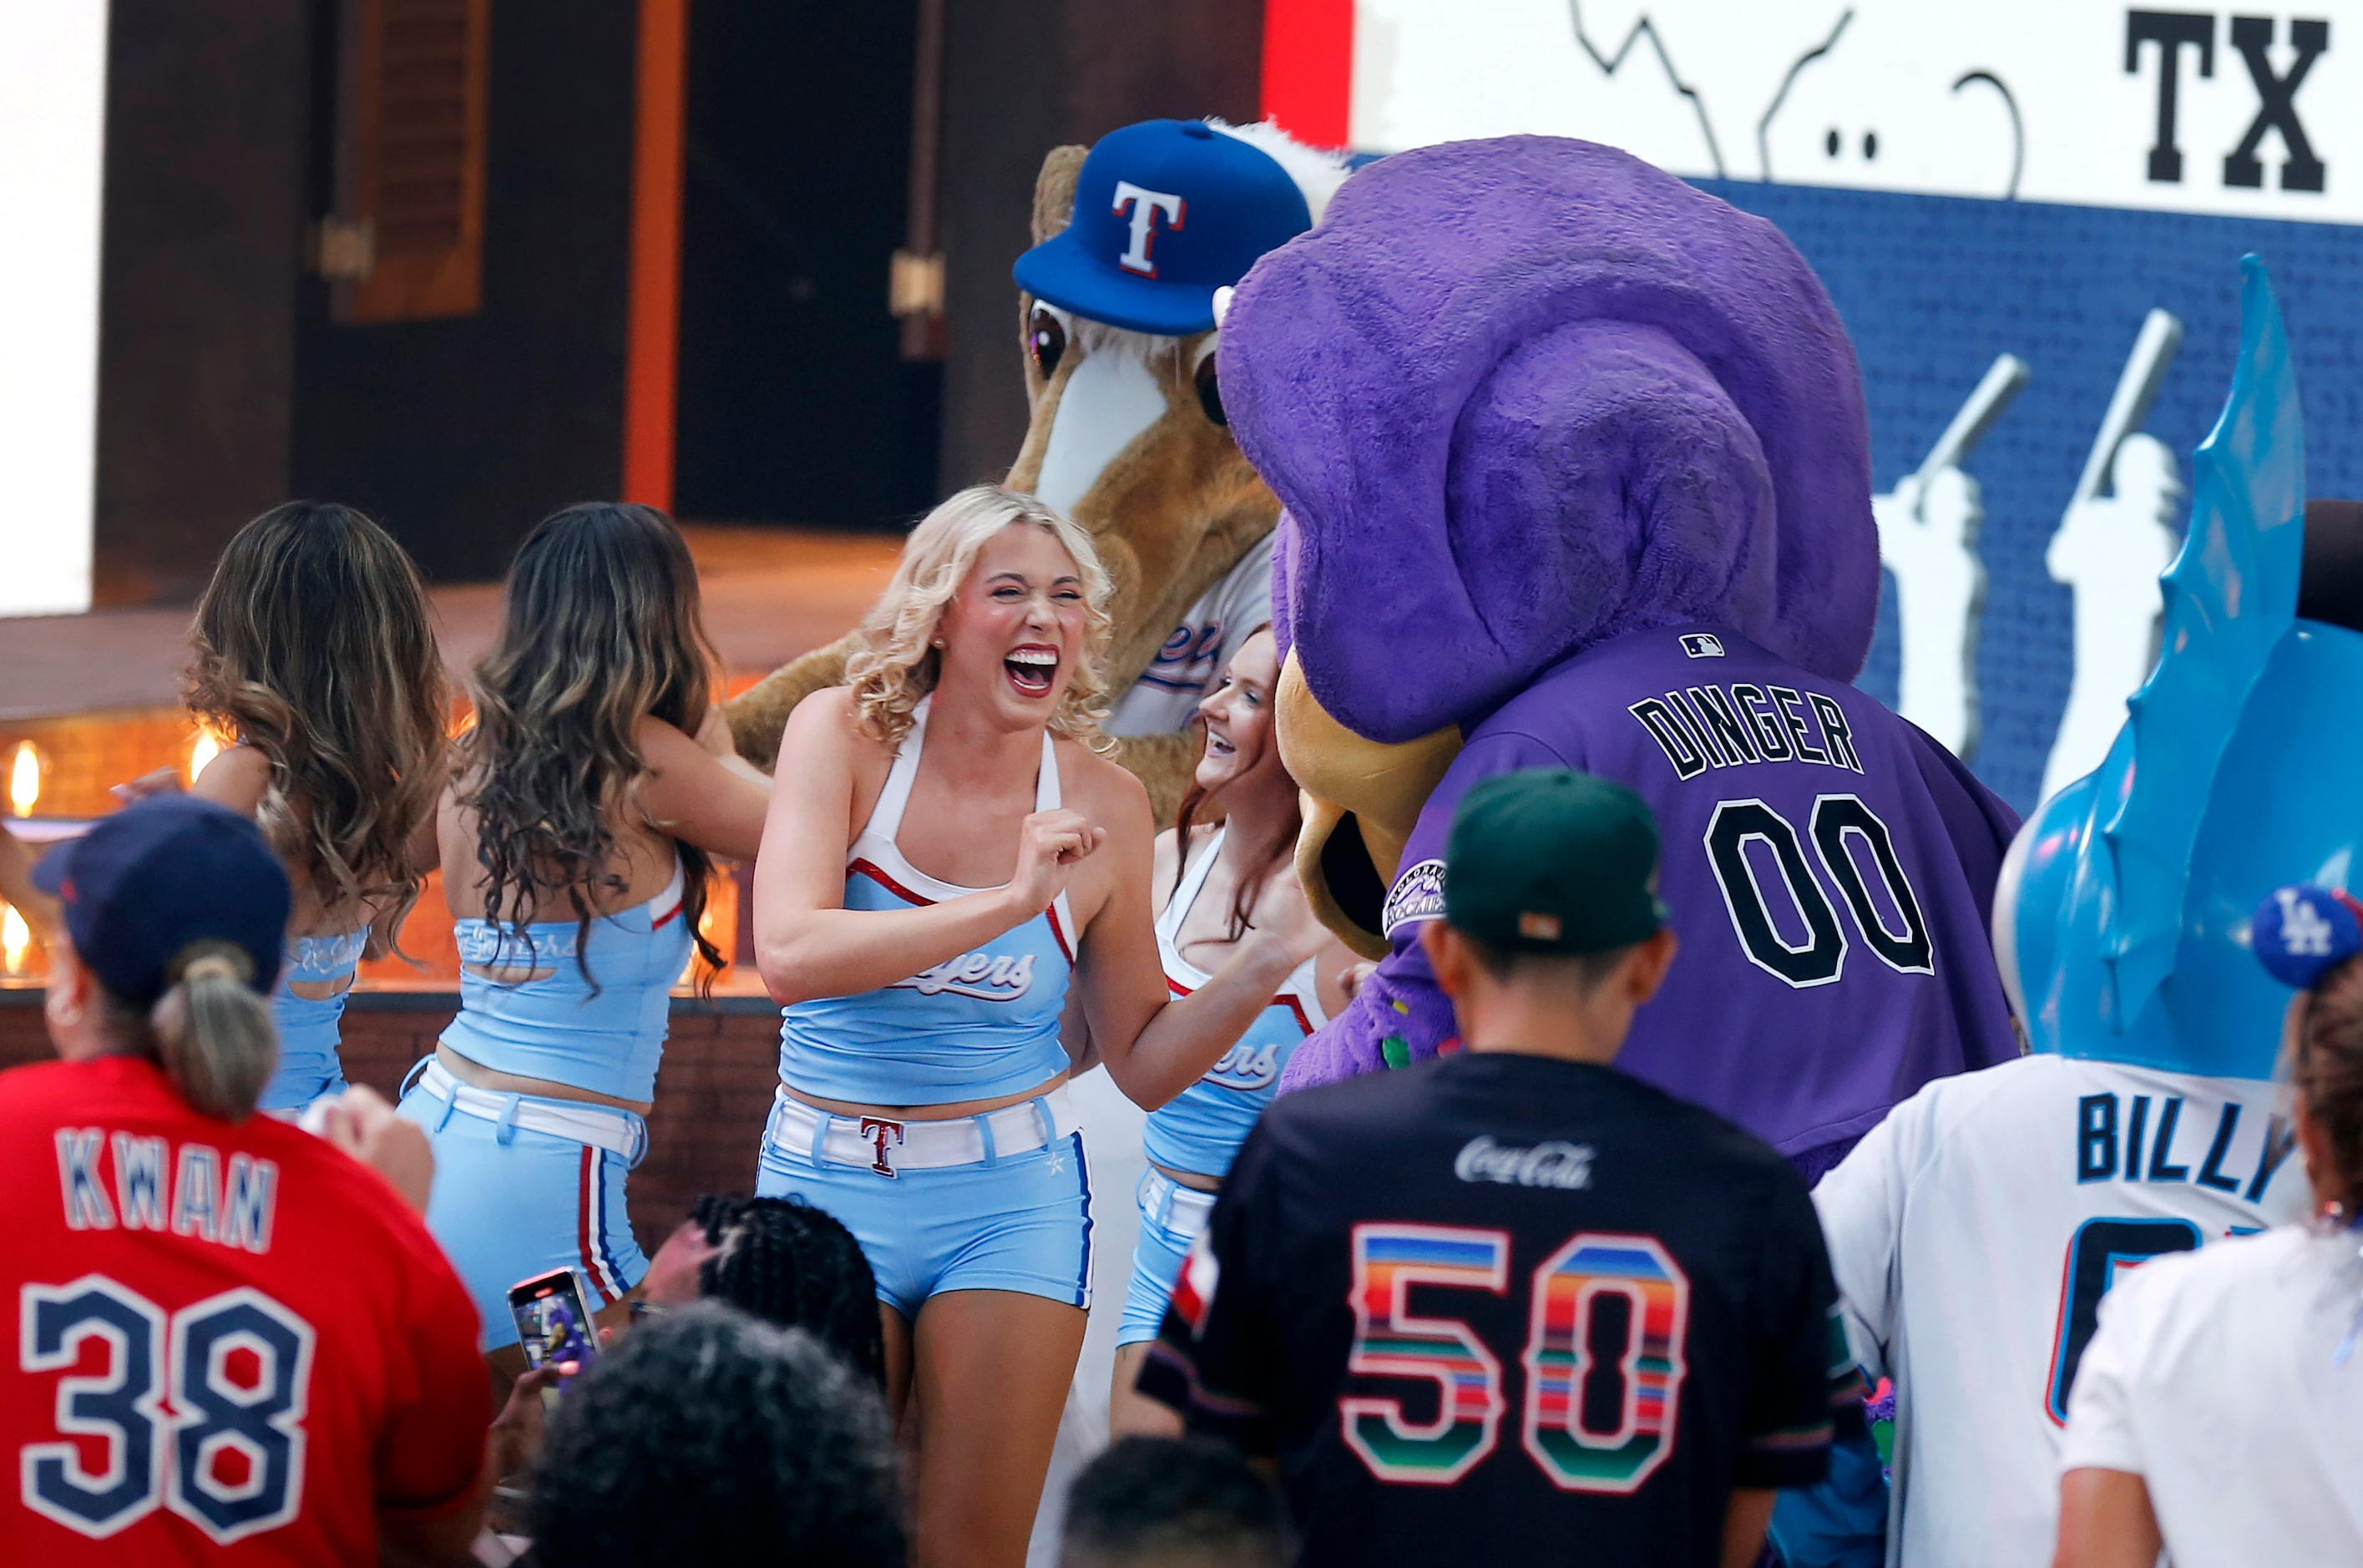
(890, 1147)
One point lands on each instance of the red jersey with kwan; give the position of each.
(224, 1335)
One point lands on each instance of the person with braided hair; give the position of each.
(2238, 1360)
(781, 1260)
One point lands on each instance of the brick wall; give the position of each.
(712, 1094)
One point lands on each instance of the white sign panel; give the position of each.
(52, 121)
(2071, 101)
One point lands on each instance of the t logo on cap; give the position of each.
(1145, 206)
(1125, 259)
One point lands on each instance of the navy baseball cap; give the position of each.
(2303, 932)
(1166, 213)
(155, 877)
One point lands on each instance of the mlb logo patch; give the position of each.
(1702, 645)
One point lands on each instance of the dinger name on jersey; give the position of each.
(1973, 1233)
(224, 1335)
(1828, 868)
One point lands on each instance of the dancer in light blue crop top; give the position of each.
(976, 1027)
(312, 647)
(575, 838)
(537, 1002)
(310, 1028)
(1199, 1130)
(1224, 882)
(923, 1098)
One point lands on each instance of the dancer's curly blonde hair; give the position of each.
(895, 664)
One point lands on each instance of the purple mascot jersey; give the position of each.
(1828, 868)
(1576, 473)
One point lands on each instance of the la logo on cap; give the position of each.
(1143, 207)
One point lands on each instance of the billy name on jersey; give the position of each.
(2109, 1144)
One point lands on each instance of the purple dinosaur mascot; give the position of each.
(1576, 474)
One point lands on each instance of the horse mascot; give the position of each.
(1134, 239)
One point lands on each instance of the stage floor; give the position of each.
(97, 698)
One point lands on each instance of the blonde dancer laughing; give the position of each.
(947, 853)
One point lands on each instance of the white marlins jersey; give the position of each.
(1973, 1233)
(1165, 700)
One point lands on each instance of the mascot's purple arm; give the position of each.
(1523, 398)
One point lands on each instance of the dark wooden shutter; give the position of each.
(412, 179)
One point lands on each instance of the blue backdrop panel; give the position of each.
(1933, 287)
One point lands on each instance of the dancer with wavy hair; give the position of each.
(948, 855)
(314, 653)
(578, 837)
(1222, 880)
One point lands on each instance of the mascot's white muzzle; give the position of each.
(1109, 400)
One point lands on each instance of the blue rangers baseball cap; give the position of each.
(2303, 932)
(154, 879)
(1166, 213)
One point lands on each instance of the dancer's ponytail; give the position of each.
(214, 1032)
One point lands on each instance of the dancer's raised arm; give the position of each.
(1157, 1044)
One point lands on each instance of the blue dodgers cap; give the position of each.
(2303, 932)
(1166, 213)
(148, 882)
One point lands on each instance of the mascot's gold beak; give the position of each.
(1362, 798)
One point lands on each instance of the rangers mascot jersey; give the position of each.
(224, 1335)
(2010, 1200)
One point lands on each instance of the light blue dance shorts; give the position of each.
(1007, 1217)
(1171, 1216)
(516, 1196)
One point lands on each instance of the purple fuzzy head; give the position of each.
(1525, 395)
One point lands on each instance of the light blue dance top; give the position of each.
(310, 1030)
(1201, 1129)
(605, 1034)
(975, 1026)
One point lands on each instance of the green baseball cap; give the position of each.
(1547, 859)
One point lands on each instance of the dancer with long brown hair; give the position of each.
(314, 655)
(578, 837)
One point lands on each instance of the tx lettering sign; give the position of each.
(2046, 100)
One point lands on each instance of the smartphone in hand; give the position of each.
(552, 1319)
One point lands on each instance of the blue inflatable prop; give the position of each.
(2123, 920)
